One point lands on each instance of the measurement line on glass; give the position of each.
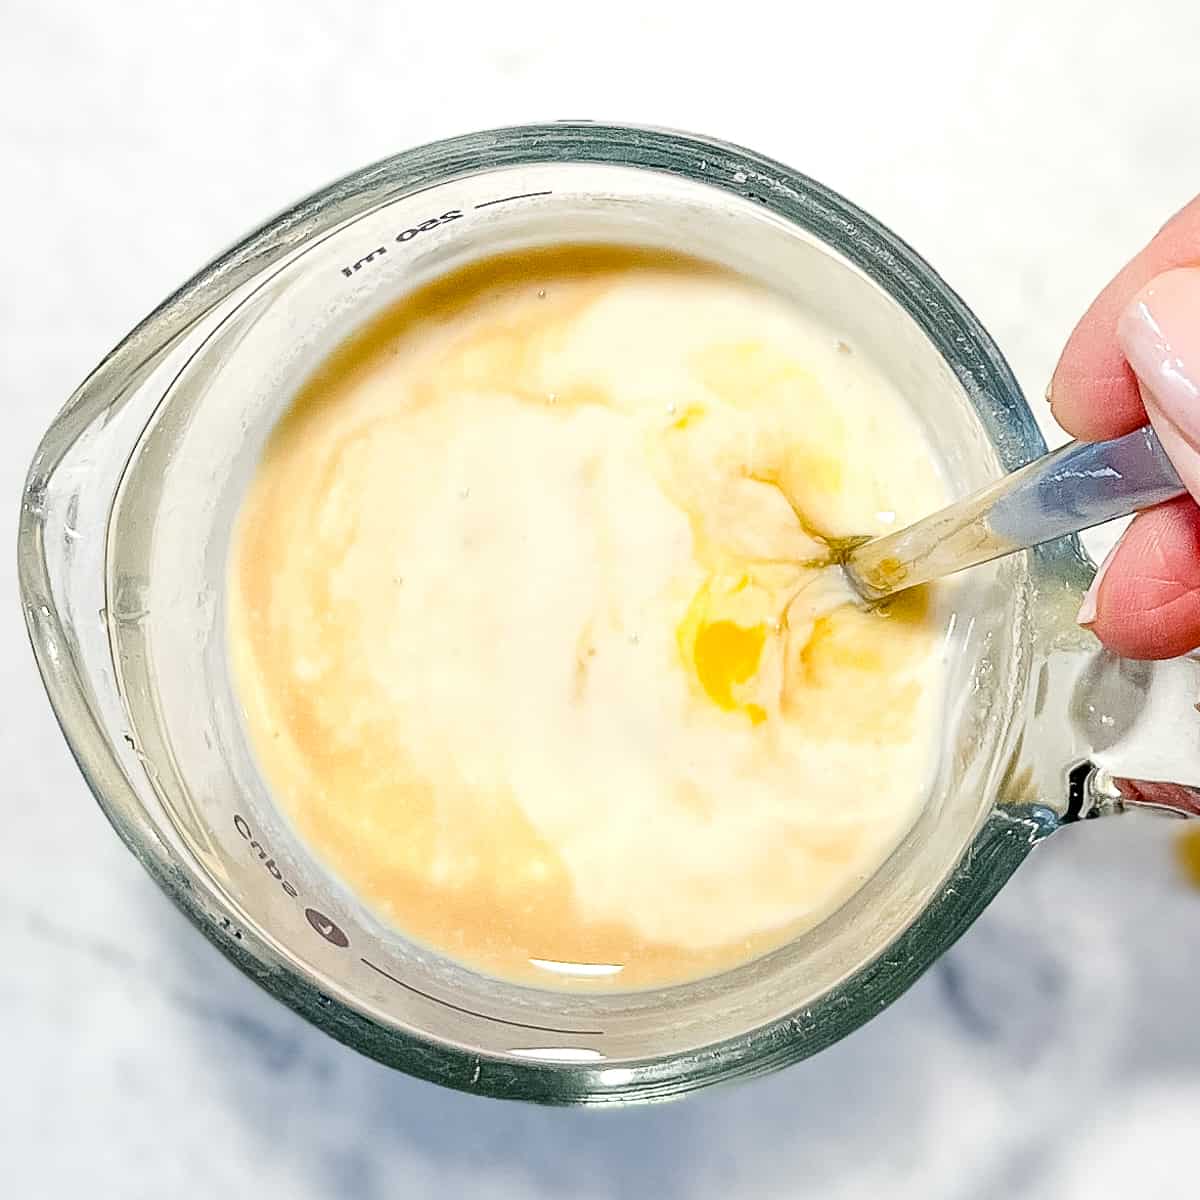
(408, 987)
(407, 235)
(518, 196)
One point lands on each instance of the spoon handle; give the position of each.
(1075, 487)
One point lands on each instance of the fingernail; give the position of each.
(1087, 610)
(1159, 334)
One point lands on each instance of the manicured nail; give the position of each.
(1160, 337)
(1087, 610)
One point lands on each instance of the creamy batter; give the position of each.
(533, 627)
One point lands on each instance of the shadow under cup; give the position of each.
(156, 467)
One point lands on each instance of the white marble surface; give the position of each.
(1025, 148)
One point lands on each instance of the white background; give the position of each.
(1026, 149)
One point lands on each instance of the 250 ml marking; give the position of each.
(407, 235)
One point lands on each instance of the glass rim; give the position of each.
(999, 846)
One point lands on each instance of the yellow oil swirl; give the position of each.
(727, 655)
(723, 652)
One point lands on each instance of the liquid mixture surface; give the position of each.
(533, 629)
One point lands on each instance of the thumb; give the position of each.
(1145, 600)
(1159, 334)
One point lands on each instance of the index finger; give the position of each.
(1093, 393)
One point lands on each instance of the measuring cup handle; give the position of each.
(1104, 734)
(1148, 758)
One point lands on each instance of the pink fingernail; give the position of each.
(1159, 334)
(1087, 610)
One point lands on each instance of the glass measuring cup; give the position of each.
(125, 527)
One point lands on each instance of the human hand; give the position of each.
(1136, 355)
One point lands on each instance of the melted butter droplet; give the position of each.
(726, 655)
